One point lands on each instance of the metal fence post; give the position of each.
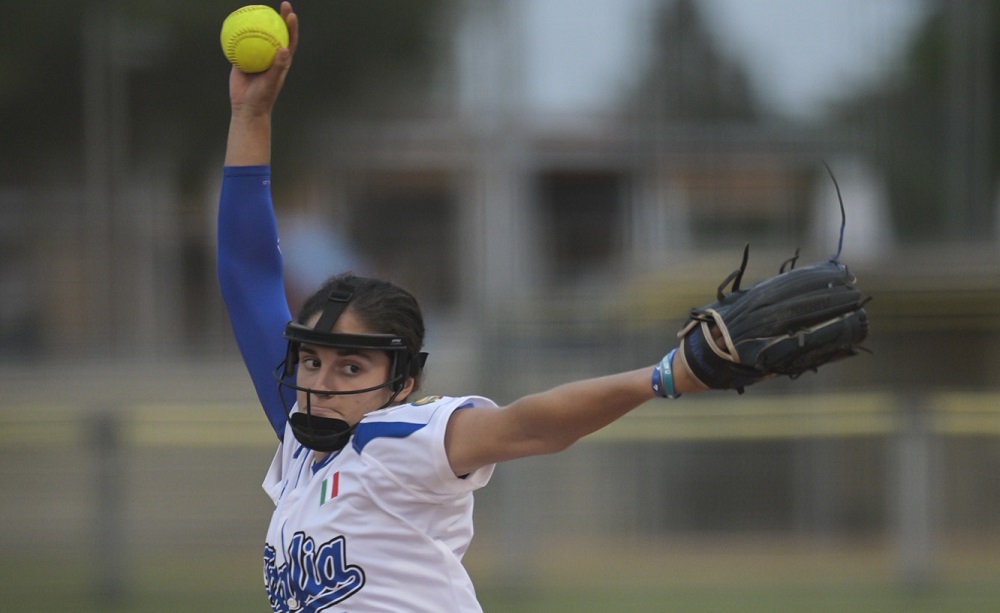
(914, 496)
(109, 521)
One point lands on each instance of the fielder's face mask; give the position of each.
(328, 433)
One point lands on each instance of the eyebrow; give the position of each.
(341, 351)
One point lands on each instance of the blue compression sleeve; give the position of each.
(250, 277)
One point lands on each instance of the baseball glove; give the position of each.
(791, 323)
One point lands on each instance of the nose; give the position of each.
(320, 392)
(322, 382)
(324, 386)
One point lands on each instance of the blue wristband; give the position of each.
(663, 377)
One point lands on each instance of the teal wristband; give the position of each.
(663, 377)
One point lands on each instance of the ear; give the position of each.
(407, 389)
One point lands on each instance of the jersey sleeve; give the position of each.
(249, 269)
(407, 441)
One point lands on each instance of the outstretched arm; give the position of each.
(549, 421)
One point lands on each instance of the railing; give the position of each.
(158, 475)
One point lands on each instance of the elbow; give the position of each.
(549, 445)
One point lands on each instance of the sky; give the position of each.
(799, 52)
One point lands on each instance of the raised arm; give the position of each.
(252, 98)
(249, 262)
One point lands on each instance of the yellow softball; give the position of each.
(251, 36)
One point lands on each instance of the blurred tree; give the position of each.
(934, 127)
(689, 78)
(165, 58)
(115, 116)
(39, 86)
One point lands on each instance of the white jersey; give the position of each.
(381, 525)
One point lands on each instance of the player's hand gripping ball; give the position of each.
(252, 35)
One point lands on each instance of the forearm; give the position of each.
(557, 418)
(550, 421)
(562, 415)
(252, 98)
(249, 140)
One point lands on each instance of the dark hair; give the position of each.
(382, 306)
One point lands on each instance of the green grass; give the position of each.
(231, 582)
(150, 584)
(765, 598)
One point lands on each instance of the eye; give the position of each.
(351, 368)
(309, 361)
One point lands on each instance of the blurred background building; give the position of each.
(558, 182)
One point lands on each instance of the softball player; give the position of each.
(373, 489)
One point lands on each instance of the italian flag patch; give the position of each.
(329, 488)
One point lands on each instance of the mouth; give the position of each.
(325, 412)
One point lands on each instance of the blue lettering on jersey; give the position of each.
(313, 578)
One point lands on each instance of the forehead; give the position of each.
(347, 323)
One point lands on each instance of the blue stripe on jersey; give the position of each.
(366, 433)
(318, 466)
